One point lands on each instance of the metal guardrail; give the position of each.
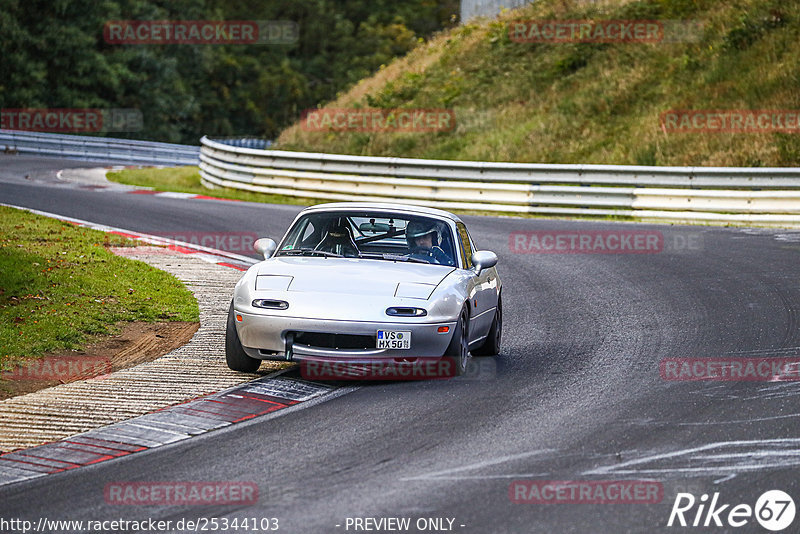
(710, 194)
(244, 142)
(102, 149)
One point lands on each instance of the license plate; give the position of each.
(392, 339)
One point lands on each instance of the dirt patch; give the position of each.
(138, 342)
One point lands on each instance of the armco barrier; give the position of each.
(245, 142)
(101, 149)
(762, 196)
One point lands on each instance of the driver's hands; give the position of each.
(434, 255)
(441, 257)
(424, 253)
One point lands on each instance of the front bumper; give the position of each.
(270, 337)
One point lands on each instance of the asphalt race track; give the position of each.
(575, 395)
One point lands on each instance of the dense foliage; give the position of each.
(54, 55)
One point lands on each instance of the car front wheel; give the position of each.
(458, 350)
(235, 356)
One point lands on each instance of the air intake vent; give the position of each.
(271, 304)
(406, 312)
(329, 340)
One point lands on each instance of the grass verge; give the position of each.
(187, 180)
(60, 288)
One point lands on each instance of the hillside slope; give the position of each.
(589, 102)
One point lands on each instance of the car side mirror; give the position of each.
(266, 247)
(483, 259)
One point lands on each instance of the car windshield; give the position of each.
(371, 235)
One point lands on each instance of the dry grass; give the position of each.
(589, 103)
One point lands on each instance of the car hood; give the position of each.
(348, 275)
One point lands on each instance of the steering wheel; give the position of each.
(423, 253)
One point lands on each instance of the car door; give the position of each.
(483, 297)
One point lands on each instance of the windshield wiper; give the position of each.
(365, 255)
(391, 257)
(309, 252)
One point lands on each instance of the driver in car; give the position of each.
(424, 238)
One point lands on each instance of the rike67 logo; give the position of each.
(774, 510)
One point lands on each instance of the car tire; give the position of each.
(235, 356)
(491, 347)
(458, 350)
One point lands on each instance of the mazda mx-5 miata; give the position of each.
(359, 283)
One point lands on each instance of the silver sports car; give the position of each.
(359, 283)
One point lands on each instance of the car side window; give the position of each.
(466, 245)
